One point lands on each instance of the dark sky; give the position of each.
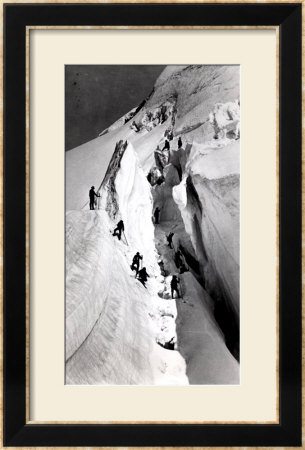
(96, 96)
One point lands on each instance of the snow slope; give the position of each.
(86, 165)
(113, 323)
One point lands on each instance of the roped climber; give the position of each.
(92, 195)
(119, 229)
(174, 286)
(179, 142)
(166, 145)
(136, 262)
(142, 276)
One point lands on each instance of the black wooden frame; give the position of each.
(16, 431)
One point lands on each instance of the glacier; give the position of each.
(118, 332)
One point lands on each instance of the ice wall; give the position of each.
(208, 198)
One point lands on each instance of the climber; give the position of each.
(170, 240)
(162, 269)
(157, 214)
(142, 276)
(163, 114)
(174, 285)
(166, 145)
(136, 262)
(135, 127)
(179, 142)
(92, 196)
(119, 229)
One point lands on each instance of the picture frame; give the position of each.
(17, 429)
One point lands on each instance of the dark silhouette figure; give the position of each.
(157, 215)
(166, 145)
(174, 286)
(142, 276)
(136, 262)
(137, 129)
(179, 142)
(92, 196)
(163, 114)
(119, 229)
(170, 240)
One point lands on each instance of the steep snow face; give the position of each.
(208, 198)
(135, 206)
(213, 364)
(196, 186)
(113, 323)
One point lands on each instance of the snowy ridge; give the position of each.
(113, 323)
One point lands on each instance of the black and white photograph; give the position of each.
(152, 225)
